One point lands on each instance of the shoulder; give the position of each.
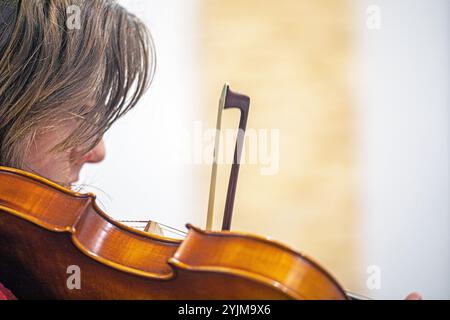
(5, 294)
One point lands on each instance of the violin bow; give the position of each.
(228, 100)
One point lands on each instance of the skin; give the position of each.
(413, 296)
(64, 167)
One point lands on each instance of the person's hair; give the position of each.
(68, 59)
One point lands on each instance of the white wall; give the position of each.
(141, 178)
(404, 120)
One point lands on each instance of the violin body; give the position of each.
(45, 229)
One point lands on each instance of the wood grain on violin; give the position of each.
(45, 228)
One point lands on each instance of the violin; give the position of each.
(47, 231)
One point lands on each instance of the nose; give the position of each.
(96, 154)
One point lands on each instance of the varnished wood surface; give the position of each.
(45, 228)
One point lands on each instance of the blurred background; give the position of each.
(347, 151)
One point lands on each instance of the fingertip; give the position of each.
(413, 296)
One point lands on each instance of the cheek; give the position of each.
(54, 167)
(58, 167)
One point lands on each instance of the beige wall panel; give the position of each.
(292, 58)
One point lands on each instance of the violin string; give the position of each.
(173, 229)
(183, 233)
(85, 186)
(86, 183)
